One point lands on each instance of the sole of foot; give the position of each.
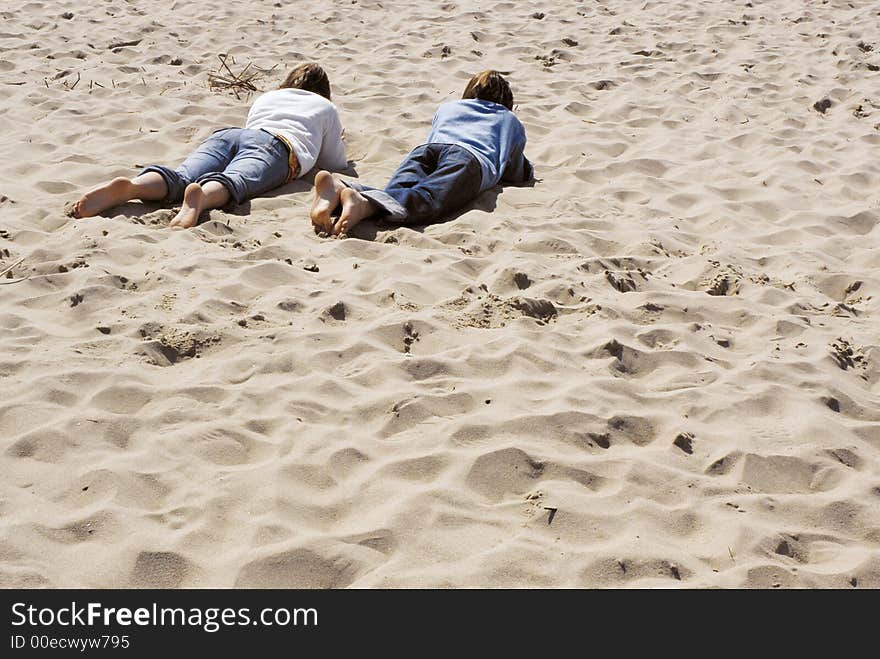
(101, 198)
(191, 209)
(327, 191)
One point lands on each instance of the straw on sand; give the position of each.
(242, 82)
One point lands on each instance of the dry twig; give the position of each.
(243, 82)
(11, 267)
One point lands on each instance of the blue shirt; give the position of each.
(489, 131)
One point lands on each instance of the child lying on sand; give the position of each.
(474, 144)
(288, 131)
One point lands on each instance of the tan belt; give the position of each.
(294, 168)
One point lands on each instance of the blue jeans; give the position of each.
(247, 162)
(434, 181)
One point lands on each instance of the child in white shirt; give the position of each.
(288, 131)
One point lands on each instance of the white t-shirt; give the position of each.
(309, 121)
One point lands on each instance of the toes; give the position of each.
(71, 209)
(322, 224)
(179, 223)
(326, 223)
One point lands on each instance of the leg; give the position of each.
(212, 155)
(160, 183)
(360, 202)
(327, 192)
(451, 179)
(149, 186)
(434, 181)
(260, 164)
(196, 200)
(418, 165)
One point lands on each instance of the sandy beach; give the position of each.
(657, 367)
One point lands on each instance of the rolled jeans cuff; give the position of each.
(173, 181)
(236, 192)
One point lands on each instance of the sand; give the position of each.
(657, 367)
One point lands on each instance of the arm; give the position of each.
(332, 154)
(519, 169)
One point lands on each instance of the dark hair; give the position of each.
(310, 77)
(490, 86)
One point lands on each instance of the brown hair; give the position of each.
(310, 77)
(490, 86)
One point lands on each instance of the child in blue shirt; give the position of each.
(474, 144)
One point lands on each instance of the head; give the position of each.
(310, 77)
(490, 86)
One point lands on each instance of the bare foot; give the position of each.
(116, 192)
(193, 205)
(355, 207)
(327, 190)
